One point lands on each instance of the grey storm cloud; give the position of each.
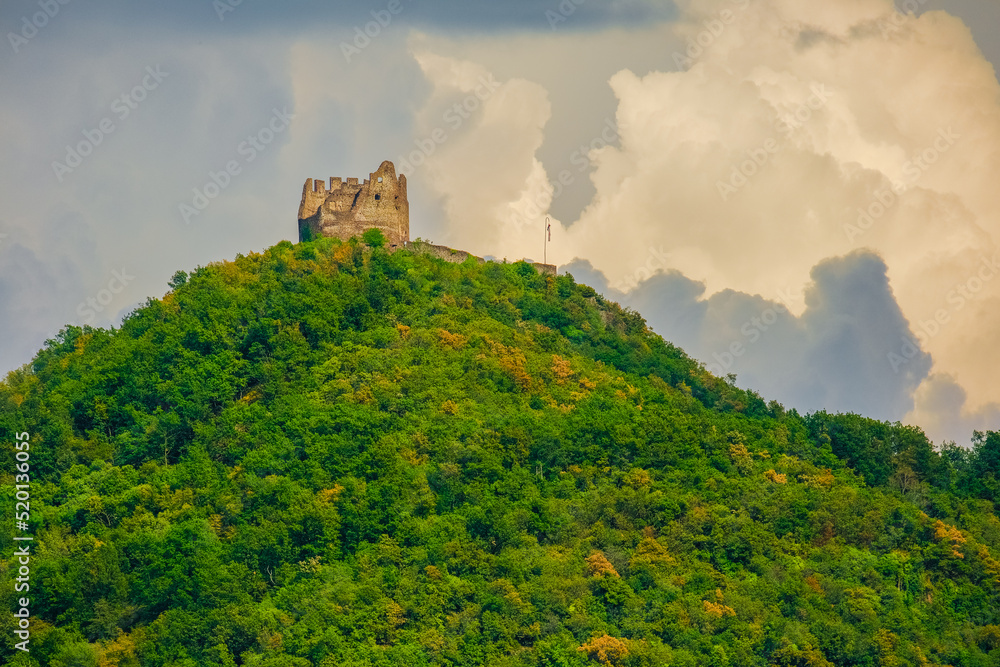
(834, 356)
(594, 122)
(477, 15)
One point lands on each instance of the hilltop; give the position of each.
(332, 454)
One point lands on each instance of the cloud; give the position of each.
(117, 206)
(747, 143)
(475, 147)
(941, 408)
(25, 285)
(832, 356)
(210, 17)
(794, 133)
(801, 132)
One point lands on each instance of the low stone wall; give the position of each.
(545, 269)
(441, 252)
(459, 256)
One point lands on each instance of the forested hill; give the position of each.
(327, 454)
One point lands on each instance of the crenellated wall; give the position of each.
(348, 208)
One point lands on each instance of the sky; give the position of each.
(802, 195)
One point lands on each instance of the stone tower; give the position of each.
(348, 208)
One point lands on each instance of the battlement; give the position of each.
(319, 185)
(350, 208)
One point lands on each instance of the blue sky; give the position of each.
(726, 166)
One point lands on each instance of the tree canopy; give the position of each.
(332, 454)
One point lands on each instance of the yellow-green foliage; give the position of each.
(331, 455)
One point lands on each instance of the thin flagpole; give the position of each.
(545, 243)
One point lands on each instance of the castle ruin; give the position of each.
(348, 208)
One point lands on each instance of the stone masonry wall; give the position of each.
(459, 256)
(348, 208)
